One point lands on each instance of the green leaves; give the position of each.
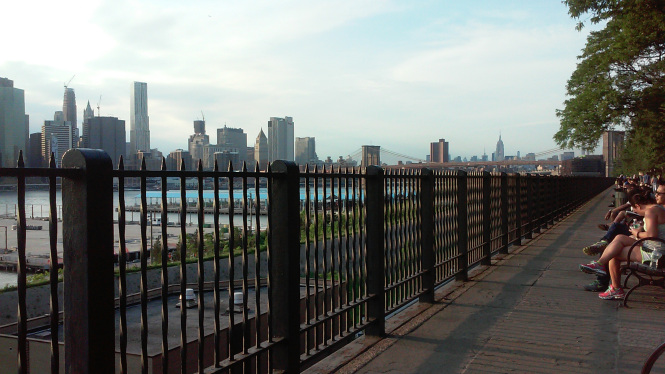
(619, 80)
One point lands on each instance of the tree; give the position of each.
(620, 79)
(156, 252)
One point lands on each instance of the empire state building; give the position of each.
(499, 155)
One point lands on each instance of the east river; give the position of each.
(37, 213)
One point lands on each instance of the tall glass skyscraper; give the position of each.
(13, 123)
(280, 139)
(139, 124)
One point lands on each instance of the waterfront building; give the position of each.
(107, 133)
(139, 123)
(305, 152)
(249, 156)
(233, 138)
(261, 150)
(593, 166)
(567, 156)
(226, 157)
(613, 144)
(35, 159)
(69, 107)
(13, 123)
(153, 159)
(438, 151)
(280, 139)
(499, 155)
(175, 159)
(197, 141)
(209, 156)
(57, 137)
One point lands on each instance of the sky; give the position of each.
(350, 72)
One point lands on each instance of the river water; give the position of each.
(37, 206)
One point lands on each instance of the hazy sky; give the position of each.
(392, 73)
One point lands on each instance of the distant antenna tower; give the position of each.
(99, 113)
(203, 117)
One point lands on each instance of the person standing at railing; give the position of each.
(617, 250)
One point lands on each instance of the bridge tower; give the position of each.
(371, 155)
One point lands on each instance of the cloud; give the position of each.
(349, 72)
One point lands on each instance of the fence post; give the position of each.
(487, 217)
(285, 269)
(87, 239)
(529, 206)
(375, 251)
(518, 209)
(462, 227)
(550, 183)
(537, 204)
(427, 257)
(504, 213)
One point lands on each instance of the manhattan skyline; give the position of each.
(350, 73)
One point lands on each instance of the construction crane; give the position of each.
(203, 117)
(69, 81)
(99, 113)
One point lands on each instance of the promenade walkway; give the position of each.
(527, 314)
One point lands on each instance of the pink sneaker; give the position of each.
(594, 267)
(612, 294)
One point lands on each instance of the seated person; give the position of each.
(617, 250)
(620, 221)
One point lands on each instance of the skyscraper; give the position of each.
(261, 150)
(35, 159)
(88, 112)
(175, 160)
(499, 155)
(107, 133)
(439, 151)
(305, 152)
(139, 124)
(234, 140)
(197, 141)
(13, 123)
(69, 107)
(57, 138)
(280, 139)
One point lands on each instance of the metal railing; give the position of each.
(338, 252)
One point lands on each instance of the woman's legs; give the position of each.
(616, 247)
(614, 265)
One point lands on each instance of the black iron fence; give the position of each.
(300, 264)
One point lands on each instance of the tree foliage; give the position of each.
(619, 82)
